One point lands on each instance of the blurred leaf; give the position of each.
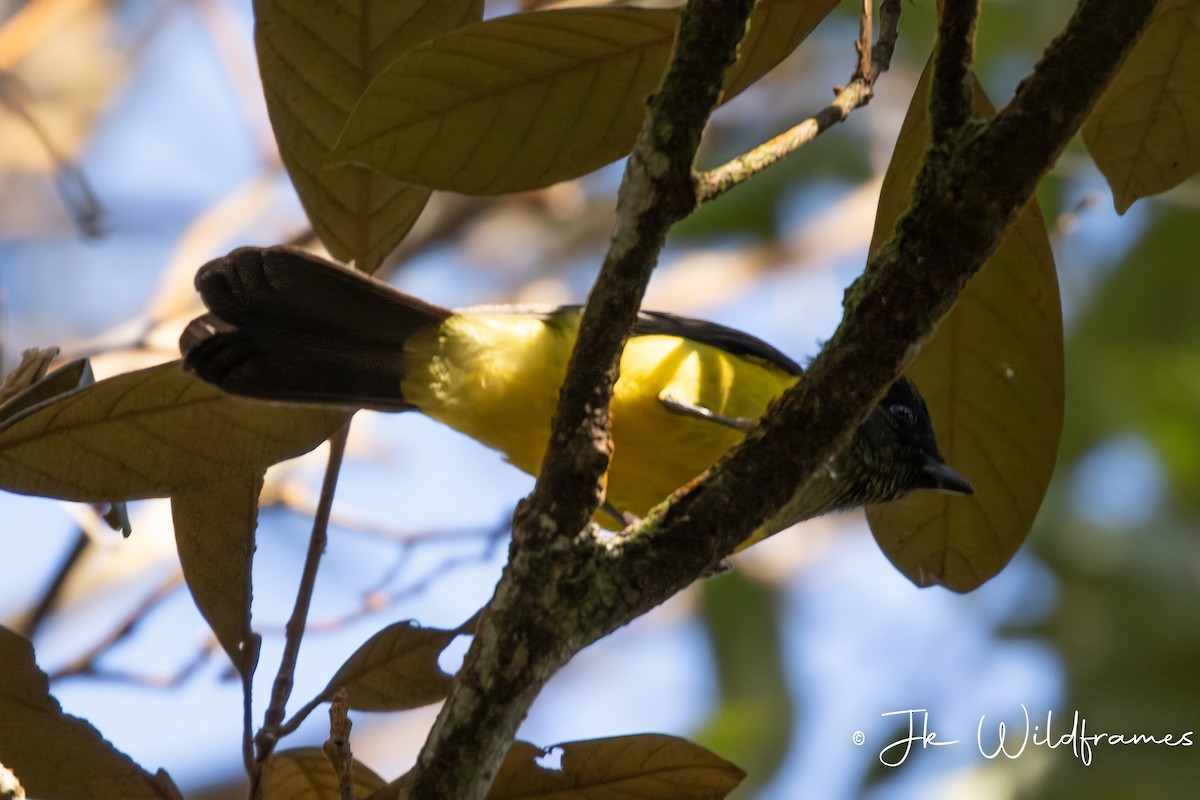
(150, 433)
(992, 376)
(306, 774)
(525, 101)
(395, 669)
(1134, 355)
(316, 59)
(74, 375)
(752, 723)
(1145, 131)
(57, 756)
(214, 531)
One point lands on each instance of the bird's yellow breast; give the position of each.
(495, 377)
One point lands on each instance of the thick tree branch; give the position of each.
(572, 589)
(858, 92)
(529, 628)
(950, 98)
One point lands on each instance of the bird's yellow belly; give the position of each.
(496, 378)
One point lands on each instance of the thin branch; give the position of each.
(716, 182)
(268, 735)
(863, 43)
(510, 658)
(950, 96)
(49, 599)
(337, 746)
(86, 663)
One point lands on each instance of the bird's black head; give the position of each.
(894, 451)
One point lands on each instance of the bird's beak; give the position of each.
(939, 475)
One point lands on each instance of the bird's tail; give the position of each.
(285, 325)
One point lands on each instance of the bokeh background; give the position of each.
(134, 146)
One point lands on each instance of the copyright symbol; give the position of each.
(858, 738)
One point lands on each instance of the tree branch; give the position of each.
(950, 97)
(858, 92)
(572, 589)
(529, 628)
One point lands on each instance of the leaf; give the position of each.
(72, 375)
(992, 376)
(646, 766)
(395, 669)
(150, 433)
(1145, 131)
(316, 58)
(56, 755)
(306, 774)
(524, 101)
(214, 532)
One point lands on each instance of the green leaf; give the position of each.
(306, 774)
(395, 669)
(150, 433)
(57, 756)
(648, 766)
(525, 101)
(992, 376)
(316, 58)
(214, 532)
(1145, 131)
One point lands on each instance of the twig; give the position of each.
(86, 663)
(337, 746)
(950, 96)
(716, 182)
(863, 43)
(268, 735)
(49, 599)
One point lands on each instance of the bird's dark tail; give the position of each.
(285, 325)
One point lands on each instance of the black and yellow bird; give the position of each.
(287, 326)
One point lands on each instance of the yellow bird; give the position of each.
(287, 326)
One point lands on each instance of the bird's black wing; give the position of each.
(738, 343)
(662, 323)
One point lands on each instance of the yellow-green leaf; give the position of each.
(69, 376)
(1145, 131)
(306, 774)
(57, 756)
(992, 376)
(214, 532)
(648, 766)
(316, 58)
(524, 101)
(150, 433)
(395, 669)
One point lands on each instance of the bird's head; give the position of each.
(894, 451)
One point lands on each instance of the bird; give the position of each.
(286, 326)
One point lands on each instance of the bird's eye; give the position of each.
(904, 414)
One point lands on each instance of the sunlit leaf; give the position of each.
(306, 774)
(57, 756)
(524, 101)
(150, 433)
(214, 531)
(648, 766)
(395, 669)
(316, 58)
(993, 378)
(1145, 131)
